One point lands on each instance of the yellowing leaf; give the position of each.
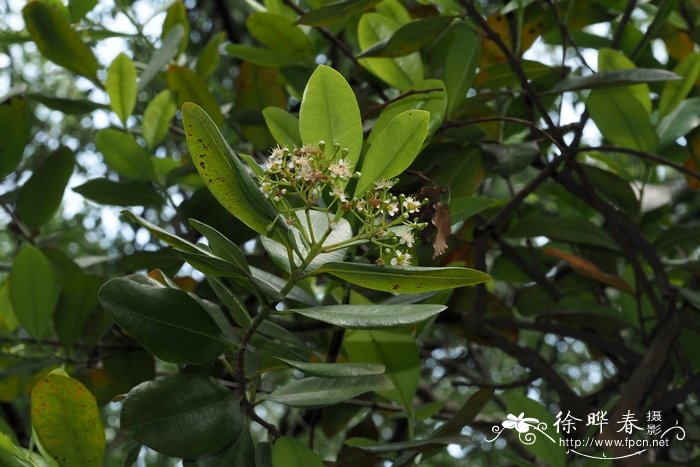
(588, 269)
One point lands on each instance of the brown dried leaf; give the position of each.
(441, 221)
(588, 269)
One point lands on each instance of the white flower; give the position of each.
(302, 161)
(383, 184)
(360, 205)
(266, 188)
(278, 152)
(304, 172)
(406, 238)
(343, 169)
(401, 259)
(339, 193)
(411, 204)
(392, 208)
(521, 424)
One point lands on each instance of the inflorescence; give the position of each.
(307, 179)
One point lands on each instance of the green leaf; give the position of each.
(40, 197)
(261, 56)
(176, 15)
(401, 72)
(157, 117)
(289, 452)
(419, 445)
(410, 37)
(105, 191)
(552, 453)
(66, 105)
(208, 59)
(370, 316)
(509, 159)
(77, 300)
(334, 12)
(283, 126)
(614, 78)
(681, 121)
(466, 207)
(566, 229)
(434, 102)
(67, 422)
(396, 349)
(16, 114)
(57, 41)
(168, 322)
(232, 302)
(12, 455)
(225, 175)
(33, 291)
(621, 118)
(334, 369)
(677, 236)
(240, 453)
(315, 392)
(124, 155)
(395, 10)
(501, 75)
(463, 56)
(674, 92)
(404, 280)
(329, 113)
(79, 8)
(614, 60)
(121, 86)
(163, 55)
(320, 225)
(222, 246)
(189, 88)
(182, 415)
(613, 188)
(280, 35)
(8, 319)
(394, 149)
(467, 413)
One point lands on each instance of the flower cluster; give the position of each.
(309, 178)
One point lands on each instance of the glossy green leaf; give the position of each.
(334, 369)
(396, 349)
(8, 319)
(231, 301)
(280, 34)
(283, 126)
(16, 114)
(467, 413)
(57, 41)
(221, 246)
(190, 88)
(168, 322)
(320, 225)
(610, 60)
(433, 101)
(124, 155)
(614, 78)
(569, 229)
(321, 392)
(33, 291)
(225, 175)
(614, 189)
(261, 56)
(67, 422)
(105, 191)
(674, 92)
(157, 117)
(681, 121)
(419, 445)
(677, 236)
(501, 74)
(410, 37)
(162, 56)
(336, 11)
(77, 300)
(329, 113)
(621, 118)
(240, 453)
(66, 105)
(394, 149)
(400, 72)
(182, 415)
(40, 197)
(551, 453)
(404, 280)
(121, 86)
(290, 452)
(370, 316)
(275, 284)
(460, 65)
(208, 59)
(466, 207)
(509, 159)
